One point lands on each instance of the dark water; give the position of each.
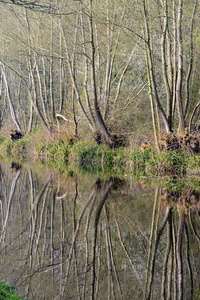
(89, 237)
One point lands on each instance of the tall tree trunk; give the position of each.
(11, 106)
(190, 66)
(179, 252)
(98, 117)
(34, 98)
(73, 80)
(181, 127)
(165, 62)
(150, 69)
(30, 123)
(51, 63)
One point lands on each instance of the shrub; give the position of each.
(174, 162)
(139, 157)
(2, 139)
(194, 163)
(7, 292)
(85, 152)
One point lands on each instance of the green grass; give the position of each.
(85, 153)
(7, 292)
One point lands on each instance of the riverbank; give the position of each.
(90, 155)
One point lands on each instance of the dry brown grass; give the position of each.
(6, 130)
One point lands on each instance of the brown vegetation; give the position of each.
(189, 142)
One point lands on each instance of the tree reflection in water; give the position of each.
(180, 243)
(65, 237)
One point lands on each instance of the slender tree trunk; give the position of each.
(190, 66)
(45, 87)
(108, 62)
(86, 67)
(51, 67)
(165, 64)
(124, 72)
(34, 98)
(175, 59)
(41, 92)
(11, 106)
(179, 252)
(150, 69)
(30, 123)
(181, 128)
(98, 117)
(61, 79)
(73, 80)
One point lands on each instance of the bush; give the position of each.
(7, 292)
(85, 152)
(58, 149)
(90, 152)
(139, 157)
(173, 162)
(194, 163)
(2, 139)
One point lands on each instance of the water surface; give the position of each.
(71, 236)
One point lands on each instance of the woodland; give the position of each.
(111, 71)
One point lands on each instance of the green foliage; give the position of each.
(85, 152)
(54, 150)
(7, 292)
(6, 145)
(139, 157)
(194, 163)
(41, 148)
(14, 147)
(58, 149)
(19, 146)
(174, 162)
(197, 293)
(143, 161)
(2, 139)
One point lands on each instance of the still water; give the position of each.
(69, 236)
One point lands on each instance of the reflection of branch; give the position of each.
(124, 248)
(75, 234)
(86, 244)
(170, 270)
(38, 198)
(150, 242)
(169, 243)
(110, 257)
(174, 256)
(74, 249)
(193, 229)
(34, 211)
(188, 259)
(97, 216)
(12, 190)
(178, 252)
(151, 259)
(41, 218)
(132, 224)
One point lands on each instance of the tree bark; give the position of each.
(11, 106)
(181, 127)
(150, 69)
(101, 127)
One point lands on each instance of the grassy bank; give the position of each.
(89, 154)
(7, 292)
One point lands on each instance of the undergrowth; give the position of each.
(7, 292)
(88, 154)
